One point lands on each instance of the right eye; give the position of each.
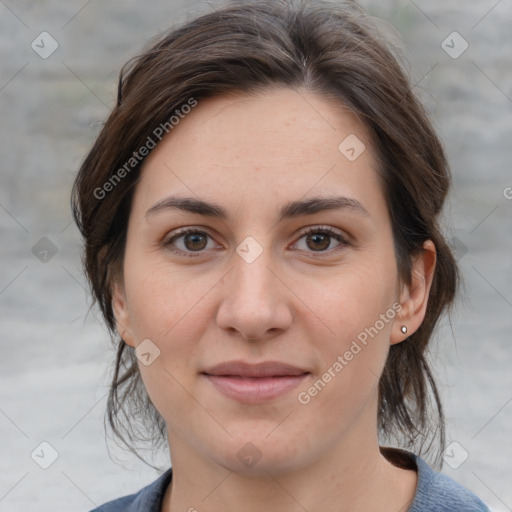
(188, 241)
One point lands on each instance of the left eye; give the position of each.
(320, 240)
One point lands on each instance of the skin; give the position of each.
(251, 155)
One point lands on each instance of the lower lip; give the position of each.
(255, 390)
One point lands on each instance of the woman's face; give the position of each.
(260, 282)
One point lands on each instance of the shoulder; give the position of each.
(148, 499)
(439, 493)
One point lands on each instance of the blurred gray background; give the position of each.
(56, 358)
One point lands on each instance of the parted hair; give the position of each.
(331, 48)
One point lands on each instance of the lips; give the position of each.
(265, 369)
(255, 383)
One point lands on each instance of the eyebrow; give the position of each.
(321, 204)
(188, 204)
(291, 210)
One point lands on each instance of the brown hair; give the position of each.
(327, 48)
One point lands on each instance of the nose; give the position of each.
(254, 302)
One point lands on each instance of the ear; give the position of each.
(414, 297)
(121, 313)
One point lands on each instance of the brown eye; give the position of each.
(318, 241)
(321, 239)
(195, 241)
(189, 241)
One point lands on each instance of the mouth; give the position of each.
(255, 383)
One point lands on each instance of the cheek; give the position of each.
(353, 299)
(171, 315)
(352, 361)
(353, 336)
(163, 298)
(167, 308)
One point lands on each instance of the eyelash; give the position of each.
(325, 230)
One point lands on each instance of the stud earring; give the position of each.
(403, 329)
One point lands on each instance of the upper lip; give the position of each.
(264, 369)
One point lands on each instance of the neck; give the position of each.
(351, 476)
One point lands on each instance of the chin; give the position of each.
(258, 455)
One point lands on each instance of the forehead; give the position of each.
(276, 142)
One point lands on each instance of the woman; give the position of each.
(260, 215)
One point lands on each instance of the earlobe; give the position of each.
(414, 297)
(121, 314)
